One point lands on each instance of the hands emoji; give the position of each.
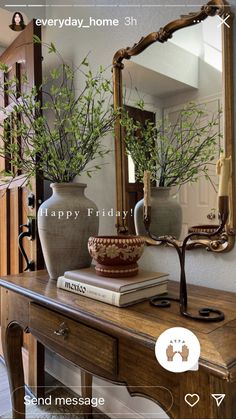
(170, 353)
(184, 353)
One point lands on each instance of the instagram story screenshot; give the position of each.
(117, 209)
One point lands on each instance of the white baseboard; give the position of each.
(118, 402)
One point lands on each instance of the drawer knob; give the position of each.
(62, 331)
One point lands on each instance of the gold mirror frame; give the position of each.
(212, 8)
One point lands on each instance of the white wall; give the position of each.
(209, 86)
(165, 65)
(217, 271)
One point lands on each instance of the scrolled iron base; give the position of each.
(206, 314)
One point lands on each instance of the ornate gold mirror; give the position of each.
(189, 62)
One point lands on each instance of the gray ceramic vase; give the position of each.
(65, 222)
(166, 214)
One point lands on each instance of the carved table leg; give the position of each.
(87, 390)
(12, 336)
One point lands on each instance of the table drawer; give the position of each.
(85, 342)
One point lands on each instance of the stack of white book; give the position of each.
(119, 292)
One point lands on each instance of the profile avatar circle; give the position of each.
(17, 23)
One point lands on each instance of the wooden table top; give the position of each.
(142, 321)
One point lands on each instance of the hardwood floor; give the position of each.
(5, 402)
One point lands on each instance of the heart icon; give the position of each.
(192, 399)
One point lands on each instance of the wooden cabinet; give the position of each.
(118, 344)
(83, 345)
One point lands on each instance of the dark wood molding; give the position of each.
(23, 55)
(212, 8)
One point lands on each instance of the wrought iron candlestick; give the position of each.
(207, 314)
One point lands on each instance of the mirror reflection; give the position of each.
(176, 88)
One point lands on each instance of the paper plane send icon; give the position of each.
(218, 398)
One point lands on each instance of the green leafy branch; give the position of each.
(174, 153)
(54, 129)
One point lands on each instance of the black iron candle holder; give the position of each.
(206, 314)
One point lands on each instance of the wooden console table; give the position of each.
(117, 344)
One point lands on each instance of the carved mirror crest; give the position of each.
(190, 60)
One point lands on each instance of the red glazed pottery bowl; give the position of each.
(116, 256)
